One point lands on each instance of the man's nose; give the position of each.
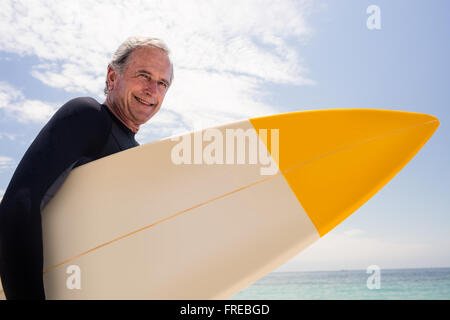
(152, 87)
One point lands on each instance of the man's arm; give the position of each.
(78, 129)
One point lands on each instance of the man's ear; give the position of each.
(111, 78)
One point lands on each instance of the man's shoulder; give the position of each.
(82, 104)
(83, 113)
(81, 108)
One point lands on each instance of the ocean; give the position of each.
(389, 284)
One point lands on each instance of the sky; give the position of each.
(235, 60)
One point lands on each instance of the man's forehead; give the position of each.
(149, 56)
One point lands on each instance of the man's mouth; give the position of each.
(147, 103)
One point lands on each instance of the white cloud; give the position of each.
(353, 232)
(223, 51)
(9, 136)
(6, 163)
(350, 250)
(14, 103)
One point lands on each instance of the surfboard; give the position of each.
(205, 214)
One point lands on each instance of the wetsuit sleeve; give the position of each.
(78, 129)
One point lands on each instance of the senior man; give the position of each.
(82, 130)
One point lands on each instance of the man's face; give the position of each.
(139, 91)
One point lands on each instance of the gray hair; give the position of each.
(119, 59)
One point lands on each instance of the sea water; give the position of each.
(402, 284)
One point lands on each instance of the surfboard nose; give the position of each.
(336, 160)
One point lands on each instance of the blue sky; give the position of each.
(235, 61)
(403, 66)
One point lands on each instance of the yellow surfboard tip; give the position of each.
(336, 160)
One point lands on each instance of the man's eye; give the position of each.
(144, 76)
(163, 84)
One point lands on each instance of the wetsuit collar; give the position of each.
(127, 130)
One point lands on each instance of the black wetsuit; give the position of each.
(81, 131)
